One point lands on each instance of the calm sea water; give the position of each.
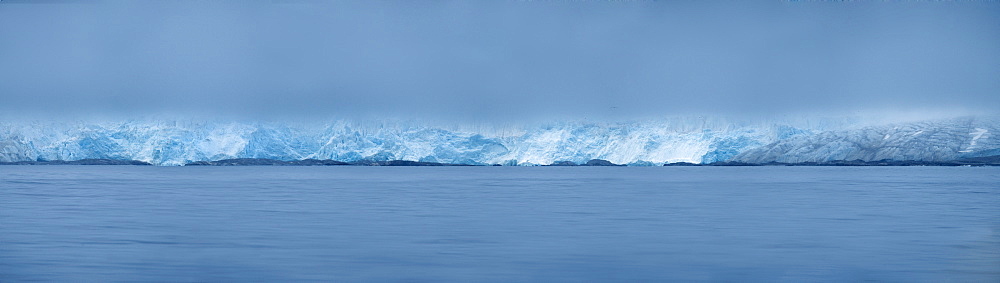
(499, 224)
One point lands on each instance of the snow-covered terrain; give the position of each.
(925, 141)
(652, 142)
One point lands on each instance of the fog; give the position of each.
(493, 60)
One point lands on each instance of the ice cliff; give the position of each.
(656, 142)
(924, 141)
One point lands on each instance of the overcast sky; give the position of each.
(497, 59)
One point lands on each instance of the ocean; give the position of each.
(499, 224)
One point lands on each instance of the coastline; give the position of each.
(978, 161)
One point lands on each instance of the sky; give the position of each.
(497, 60)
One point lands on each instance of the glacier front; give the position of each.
(649, 142)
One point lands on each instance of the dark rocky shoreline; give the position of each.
(79, 162)
(314, 162)
(978, 161)
(592, 162)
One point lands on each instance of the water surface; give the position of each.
(499, 224)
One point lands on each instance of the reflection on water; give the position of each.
(499, 224)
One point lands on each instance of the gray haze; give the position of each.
(497, 59)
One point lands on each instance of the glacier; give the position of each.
(923, 141)
(639, 143)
